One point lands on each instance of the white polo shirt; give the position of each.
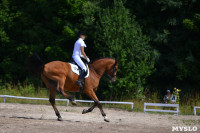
(77, 47)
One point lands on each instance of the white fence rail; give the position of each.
(161, 105)
(195, 111)
(67, 100)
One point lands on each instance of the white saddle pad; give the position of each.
(76, 69)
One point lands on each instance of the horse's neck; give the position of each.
(100, 66)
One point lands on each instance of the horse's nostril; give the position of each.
(113, 80)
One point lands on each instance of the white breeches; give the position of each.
(78, 60)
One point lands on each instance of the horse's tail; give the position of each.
(35, 64)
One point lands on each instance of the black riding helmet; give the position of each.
(81, 33)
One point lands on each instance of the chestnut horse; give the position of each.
(58, 76)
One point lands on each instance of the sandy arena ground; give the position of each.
(26, 118)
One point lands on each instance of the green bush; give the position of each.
(120, 36)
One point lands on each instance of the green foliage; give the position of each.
(120, 36)
(194, 24)
(44, 27)
(5, 19)
(123, 30)
(173, 28)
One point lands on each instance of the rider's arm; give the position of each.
(83, 52)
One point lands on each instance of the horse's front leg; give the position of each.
(93, 96)
(102, 112)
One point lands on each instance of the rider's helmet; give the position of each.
(81, 33)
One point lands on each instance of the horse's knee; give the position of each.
(71, 98)
(52, 100)
(98, 104)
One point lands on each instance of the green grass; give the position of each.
(26, 91)
(29, 91)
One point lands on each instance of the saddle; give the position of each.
(77, 69)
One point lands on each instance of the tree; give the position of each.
(6, 22)
(173, 28)
(44, 27)
(119, 36)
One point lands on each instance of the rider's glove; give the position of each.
(88, 60)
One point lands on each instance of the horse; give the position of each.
(58, 77)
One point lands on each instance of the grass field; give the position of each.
(29, 91)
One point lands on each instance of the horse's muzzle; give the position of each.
(112, 80)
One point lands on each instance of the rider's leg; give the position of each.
(81, 77)
(78, 60)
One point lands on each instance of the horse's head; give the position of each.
(107, 65)
(111, 70)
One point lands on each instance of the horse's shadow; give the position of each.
(31, 118)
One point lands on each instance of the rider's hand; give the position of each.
(88, 60)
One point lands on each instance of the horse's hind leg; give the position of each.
(52, 101)
(52, 88)
(60, 87)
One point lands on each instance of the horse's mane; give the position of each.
(101, 58)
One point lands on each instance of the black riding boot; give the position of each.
(80, 79)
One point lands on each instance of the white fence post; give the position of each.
(67, 103)
(144, 107)
(4, 100)
(177, 109)
(195, 111)
(131, 106)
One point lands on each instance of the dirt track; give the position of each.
(26, 118)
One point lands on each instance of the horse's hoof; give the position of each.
(84, 111)
(60, 119)
(74, 103)
(106, 119)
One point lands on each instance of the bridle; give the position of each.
(113, 69)
(109, 76)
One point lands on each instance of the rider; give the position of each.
(79, 53)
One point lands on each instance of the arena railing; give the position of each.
(161, 105)
(67, 100)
